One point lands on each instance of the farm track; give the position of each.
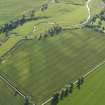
(89, 12)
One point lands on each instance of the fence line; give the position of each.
(85, 75)
(11, 85)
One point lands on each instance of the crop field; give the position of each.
(36, 68)
(35, 65)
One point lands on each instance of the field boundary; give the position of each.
(11, 85)
(84, 76)
(13, 48)
(22, 39)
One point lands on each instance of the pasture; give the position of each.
(38, 68)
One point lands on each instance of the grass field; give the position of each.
(69, 54)
(7, 95)
(53, 14)
(60, 11)
(12, 9)
(96, 6)
(91, 93)
(70, 13)
(40, 68)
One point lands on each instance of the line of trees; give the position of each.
(80, 81)
(97, 27)
(5, 28)
(54, 30)
(66, 91)
(62, 94)
(44, 7)
(103, 1)
(27, 101)
(57, 96)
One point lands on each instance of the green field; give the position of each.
(36, 65)
(53, 14)
(38, 68)
(12, 9)
(96, 6)
(7, 95)
(91, 93)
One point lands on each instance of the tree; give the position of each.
(66, 91)
(103, 28)
(1, 29)
(44, 7)
(57, 28)
(62, 94)
(16, 93)
(55, 99)
(22, 20)
(99, 23)
(0, 44)
(32, 14)
(40, 36)
(78, 83)
(51, 31)
(71, 88)
(55, 1)
(103, 1)
(45, 35)
(82, 80)
(26, 101)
